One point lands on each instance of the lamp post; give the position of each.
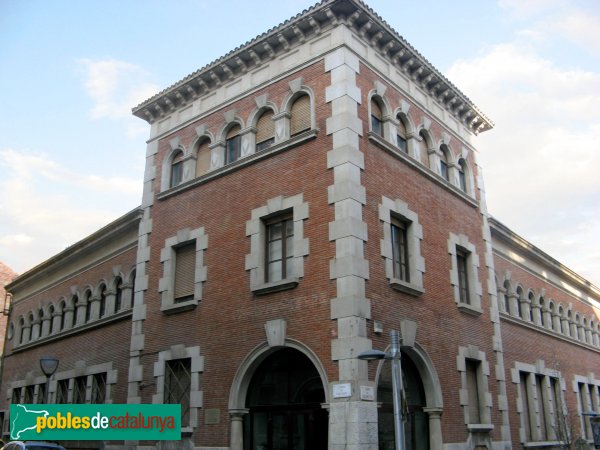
(408, 329)
(48, 364)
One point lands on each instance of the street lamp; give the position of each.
(408, 329)
(48, 364)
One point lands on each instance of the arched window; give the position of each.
(376, 118)
(529, 314)
(423, 149)
(176, 169)
(102, 302)
(75, 303)
(233, 144)
(118, 294)
(462, 177)
(401, 134)
(51, 315)
(265, 131)
(519, 292)
(203, 158)
(21, 330)
(300, 115)
(63, 315)
(88, 306)
(444, 162)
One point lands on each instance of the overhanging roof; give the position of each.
(306, 25)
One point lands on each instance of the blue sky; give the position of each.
(72, 155)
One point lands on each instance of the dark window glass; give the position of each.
(280, 249)
(401, 143)
(62, 391)
(176, 170)
(233, 145)
(472, 367)
(98, 388)
(463, 277)
(178, 386)
(462, 179)
(79, 389)
(400, 250)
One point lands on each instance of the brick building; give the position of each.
(304, 195)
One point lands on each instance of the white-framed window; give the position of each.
(183, 270)
(401, 246)
(540, 403)
(277, 244)
(475, 396)
(463, 274)
(178, 379)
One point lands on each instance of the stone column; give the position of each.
(126, 296)
(56, 319)
(547, 318)
(217, 154)
(566, 329)
(513, 304)
(46, 325)
(282, 126)
(248, 144)
(556, 323)
(536, 314)
(525, 309)
(236, 429)
(435, 428)
(68, 311)
(95, 311)
(109, 308)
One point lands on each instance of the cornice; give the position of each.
(308, 24)
(503, 233)
(127, 223)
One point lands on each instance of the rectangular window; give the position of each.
(185, 263)
(280, 249)
(444, 170)
(542, 407)
(98, 388)
(472, 367)
(178, 383)
(16, 396)
(41, 397)
(79, 389)
(62, 391)
(28, 394)
(400, 250)
(376, 125)
(463, 277)
(526, 402)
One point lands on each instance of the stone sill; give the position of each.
(275, 286)
(179, 307)
(540, 444)
(480, 427)
(405, 287)
(469, 309)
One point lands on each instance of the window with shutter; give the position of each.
(265, 131)
(185, 260)
(300, 112)
(203, 159)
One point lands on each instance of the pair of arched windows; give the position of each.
(300, 121)
(377, 127)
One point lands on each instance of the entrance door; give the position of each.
(416, 422)
(284, 399)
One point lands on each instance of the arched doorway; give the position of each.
(416, 421)
(284, 400)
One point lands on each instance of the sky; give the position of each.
(72, 155)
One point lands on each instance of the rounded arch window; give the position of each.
(401, 134)
(376, 117)
(63, 314)
(300, 115)
(102, 301)
(233, 144)
(462, 174)
(265, 131)
(176, 169)
(423, 148)
(51, 317)
(203, 157)
(444, 162)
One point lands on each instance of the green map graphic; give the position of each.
(24, 420)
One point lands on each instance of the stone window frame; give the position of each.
(533, 371)
(461, 242)
(473, 353)
(592, 403)
(256, 230)
(179, 351)
(389, 209)
(80, 370)
(166, 284)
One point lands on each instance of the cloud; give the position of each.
(581, 27)
(540, 162)
(115, 86)
(53, 206)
